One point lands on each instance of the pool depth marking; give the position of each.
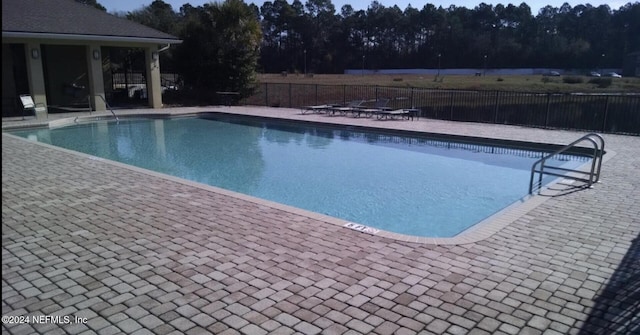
(362, 228)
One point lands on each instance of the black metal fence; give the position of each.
(611, 113)
(123, 79)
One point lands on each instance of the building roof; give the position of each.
(68, 19)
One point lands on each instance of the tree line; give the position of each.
(314, 37)
(498, 36)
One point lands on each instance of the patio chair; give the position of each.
(318, 108)
(343, 110)
(30, 107)
(391, 114)
(379, 106)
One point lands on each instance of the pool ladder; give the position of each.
(106, 104)
(590, 177)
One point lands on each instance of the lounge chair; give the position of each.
(379, 106)
(391, 114)
(30, 107)
(318, 108)
(343, 110)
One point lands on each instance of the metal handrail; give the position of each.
(596, 164)
(105, 103)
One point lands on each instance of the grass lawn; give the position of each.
(519, 83)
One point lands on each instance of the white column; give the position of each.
(154, 87)
(96, 81)
(35, 74)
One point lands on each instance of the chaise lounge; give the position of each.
(379, 106)
(392, 114)
(351, 106)
(30, 107)
(318, 108)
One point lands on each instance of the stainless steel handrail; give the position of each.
(596, 164)
(105, 103)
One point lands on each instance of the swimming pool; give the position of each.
(409, 185)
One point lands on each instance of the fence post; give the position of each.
(451, 105)
(546, 119)
(495, 117)
(289, 95)
(412, 104)
(316, 95)
(606, 113)
(344, 94)
(266, 94)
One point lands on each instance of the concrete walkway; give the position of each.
(94, 247)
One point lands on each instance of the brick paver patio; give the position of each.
(134, 252)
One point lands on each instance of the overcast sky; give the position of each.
(131, 5)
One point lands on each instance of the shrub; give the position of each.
(601, 82)
(572, 80)
(499, 79)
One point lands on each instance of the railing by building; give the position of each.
(611, 113)
(121, 80)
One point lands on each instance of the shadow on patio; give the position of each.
(617, 307)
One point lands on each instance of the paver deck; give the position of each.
(130, 251)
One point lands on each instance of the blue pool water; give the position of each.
(413, 186)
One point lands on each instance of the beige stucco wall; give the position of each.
(35, 73)
(93, 56)
(154, 89)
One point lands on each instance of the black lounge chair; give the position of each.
(392, 114)
(379, 106)
(318, 108)
(343, 110)
(30, 107)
